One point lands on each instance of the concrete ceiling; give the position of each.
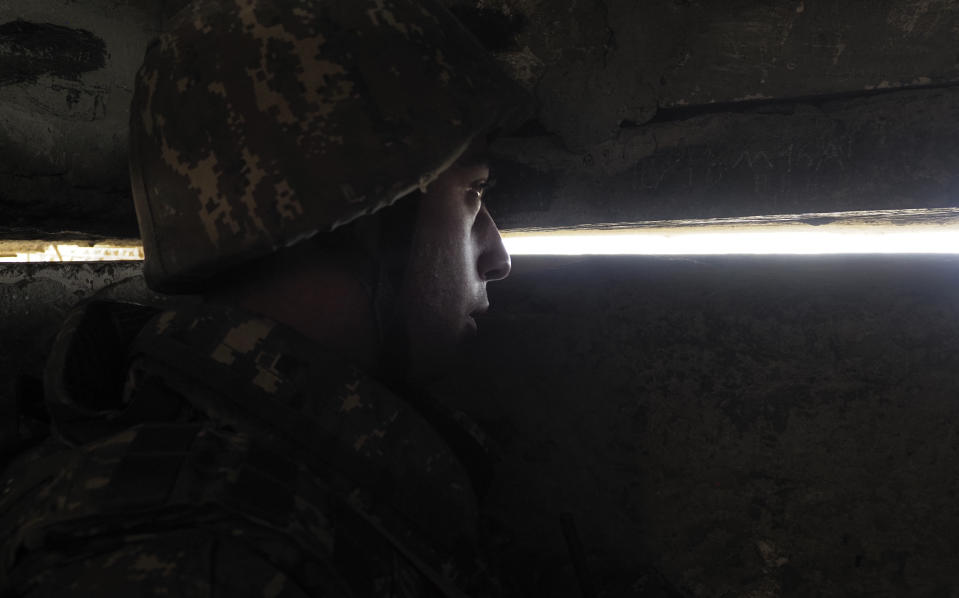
(648, 110)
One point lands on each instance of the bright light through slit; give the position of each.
(768, 240)
(31, 251)
(914, 231)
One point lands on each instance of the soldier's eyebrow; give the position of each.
(484, 184)
(478, 160)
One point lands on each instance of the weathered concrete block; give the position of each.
(768, 427)
(66, 82)
(894, 151)
(598, 63)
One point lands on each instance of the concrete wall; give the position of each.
(892, 151)
(743, 426)
(66, 82)
(716, 427)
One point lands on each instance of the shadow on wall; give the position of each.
(742, 426)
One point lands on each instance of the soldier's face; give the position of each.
(456, 251)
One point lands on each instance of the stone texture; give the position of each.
(598, 63)
(893, 151)
(744, 426)
(65, 91)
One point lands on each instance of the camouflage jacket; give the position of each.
(208, 452)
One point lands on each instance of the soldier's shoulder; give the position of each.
(183, 507)
(191, 563)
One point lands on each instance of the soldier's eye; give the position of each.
(479, 188)
(476, 192)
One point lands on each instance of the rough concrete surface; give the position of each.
(893, 151)
(596, 63)
(65, 89)
(757, 427)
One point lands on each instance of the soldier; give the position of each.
(266, 441)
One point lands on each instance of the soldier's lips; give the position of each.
(476, 313)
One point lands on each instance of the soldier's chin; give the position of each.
(470, 328)
(431, 361)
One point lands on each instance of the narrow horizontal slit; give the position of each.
(926, 231)
(923, 231)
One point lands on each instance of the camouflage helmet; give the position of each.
(256, 124)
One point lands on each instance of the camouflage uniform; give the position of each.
(238, 459)
(208, 452)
